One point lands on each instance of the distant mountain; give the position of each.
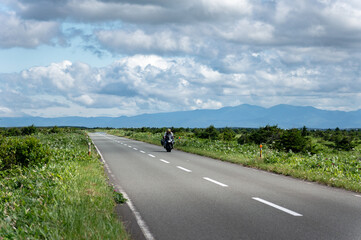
(285, 116)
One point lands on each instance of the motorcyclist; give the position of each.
(167, 133)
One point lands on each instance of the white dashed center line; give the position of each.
(216, 182)
(150, 155)
(141, 151)
(358, 196)
(184, 169)
(277, 207)
(135, 149)
(163, 160)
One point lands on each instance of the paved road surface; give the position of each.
(184, 196)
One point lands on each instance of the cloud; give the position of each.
(248, 32)
(150, 12)
(138, 41)
(150, 83)
(15, 32)
(199, 27)
(317, 23)
(181, 55)
(84, 100)
(6, 112)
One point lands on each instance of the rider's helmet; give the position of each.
(169, 130)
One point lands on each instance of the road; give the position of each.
(179, 195)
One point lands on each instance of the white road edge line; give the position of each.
(150, 155)
(277, 207)
(163, 160)
(216, 182)
(184, 169)
(142, 225)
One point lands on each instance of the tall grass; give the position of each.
(67, 198)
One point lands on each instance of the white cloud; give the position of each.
(6, 112)
(207, 104)
(138, 41)
(345, 14)
(149, 83)
(57, 75)
(179, 55)
(84, 99)
(15, 32)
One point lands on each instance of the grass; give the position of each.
(340, 169)
(67, 198)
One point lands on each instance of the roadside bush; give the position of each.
(55, 129)
(22, 152)
(291, 140)
(13, 132)
(265, 135)
(244, 139)
(344, 143)
(227, 134)
(209, 133)
(28, 130)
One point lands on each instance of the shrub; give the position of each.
(28, 130)
(291, 140)
(265, 135)
(244, 139)
(13, 132)
(22, 151)
(55, 129)
(227, 134)
(344, 143)
(209, 133)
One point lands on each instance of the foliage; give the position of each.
(265, 135)
(227, 134)
(22, 151)
(66, 197)
(209, 133)
(291, 140)
(12, 132)
(344, 143)
(118, 197)
(28, 130)
(55, 129)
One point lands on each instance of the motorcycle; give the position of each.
(168, 143)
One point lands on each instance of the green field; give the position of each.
(52, 189)
(330, 157)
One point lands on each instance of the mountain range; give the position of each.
(247, 116)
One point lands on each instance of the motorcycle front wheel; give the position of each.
(169, 149)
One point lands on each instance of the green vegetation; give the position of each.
(331, 157)
(50, 188)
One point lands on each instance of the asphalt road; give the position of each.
(184, 196)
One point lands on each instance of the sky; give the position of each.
(128, 57)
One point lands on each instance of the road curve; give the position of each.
(179, 195)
